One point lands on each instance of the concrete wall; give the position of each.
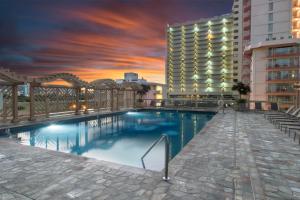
(258, 75)
(260, 20)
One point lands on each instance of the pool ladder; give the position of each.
(164, 137)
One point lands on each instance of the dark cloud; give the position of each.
(94, 39)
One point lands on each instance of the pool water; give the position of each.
(120, 138)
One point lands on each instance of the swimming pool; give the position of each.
(121, 138)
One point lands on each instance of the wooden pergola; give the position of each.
(46, 99)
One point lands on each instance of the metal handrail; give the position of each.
(167, 146)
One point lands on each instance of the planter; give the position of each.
(242, 107)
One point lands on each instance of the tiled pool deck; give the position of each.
(254, 162)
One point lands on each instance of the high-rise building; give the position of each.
(242, 36)
(260, 47)
(237, 14)
(274, 49)
(199, 59)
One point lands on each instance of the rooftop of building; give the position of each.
(215, 18)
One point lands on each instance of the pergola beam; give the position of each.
(42, 99)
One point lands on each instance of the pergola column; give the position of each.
(112, 99)
(100, 99)
(125, 96)
(86, 101)
(31, 97)
(77, 104)
(47, 107)
(117, 103)
(134, 99)
(15, 103)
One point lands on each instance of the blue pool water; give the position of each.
(121, 138)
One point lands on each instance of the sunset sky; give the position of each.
(94, 38)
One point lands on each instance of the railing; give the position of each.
(183, 103)
(167, 146)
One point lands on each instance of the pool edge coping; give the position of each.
(108, 163)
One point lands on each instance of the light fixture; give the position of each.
(209, 71)
(209, 89)
(209, 80)
(195, 77)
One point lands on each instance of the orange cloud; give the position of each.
(93, 39)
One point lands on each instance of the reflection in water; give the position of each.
(122, 138)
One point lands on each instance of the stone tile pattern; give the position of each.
(218, 163)
(277, 157)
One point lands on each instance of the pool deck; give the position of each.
(236, 156)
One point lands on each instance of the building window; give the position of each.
(271, 6)
(270, 27)
(270, 36)
(270, 17)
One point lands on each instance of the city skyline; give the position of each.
(94, 39)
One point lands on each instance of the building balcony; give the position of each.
(247, 8)
(281, 93)
(284, 51)
(247, 18)
(246, 63)
(282, 68)
(246, 71)
(282, 80)
(247, 24)
(247, 28)
(246, 37)
(246, 76)
(283, 55)
(247, 4)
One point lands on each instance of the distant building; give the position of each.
(23, 90)
(131, 77)
(157, 90)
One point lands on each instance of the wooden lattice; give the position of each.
(45, 99)
(121, 101)
(91, 98)
(7, 102)
(54, 99)
(97, 99)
